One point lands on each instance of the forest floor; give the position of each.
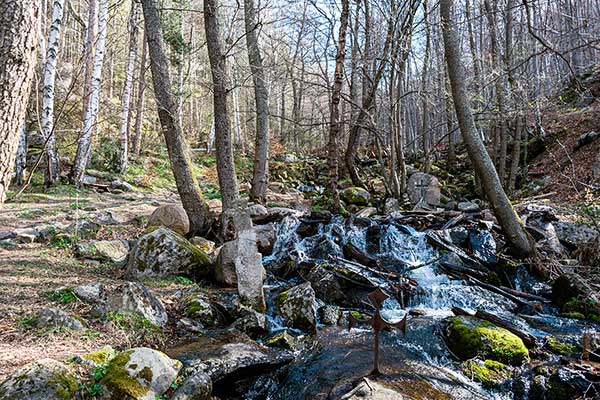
(32, 274)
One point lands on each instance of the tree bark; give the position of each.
(52, 170)
(139, 115)
(21, 161)
(129, 70)
(505, 213)
(258, 191)
(225, 164)
(191, 198)
(84, 144)
(18, 27)
(334, 119)
(90, 43)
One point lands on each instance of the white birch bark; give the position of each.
(84, 144)
(21, 160)
(47, 118)
(129, 70)
(211, 137)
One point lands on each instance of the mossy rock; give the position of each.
(558, 346)
(491, 374)
(99, 357)
(45, 379)
(469, 337)
(355, 195)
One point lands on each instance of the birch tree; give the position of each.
(129, 70)
(84, 144)
(18, 25)
(52, 171)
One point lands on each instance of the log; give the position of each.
(354, 253)
(525, 295)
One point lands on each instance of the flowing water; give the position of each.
(405, 251)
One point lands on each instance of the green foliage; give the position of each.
(107, 155)
(61, 241)
(134, 322)
(182, 280)
(28, 321)
(63, 296)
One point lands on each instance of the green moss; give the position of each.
(282, 296)
(559, 347)
(66, 386)
(118, 379)
(505, 346)
(462, 340)
(146, 374)
(573, 315)
(98, 357)
(195, 308)
(490, 373)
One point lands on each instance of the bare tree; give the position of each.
(18, 27)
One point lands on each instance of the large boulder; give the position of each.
(423, 187)
(133, 297)
(44, 379)
(197, 306)
(163, 252)
(196, 387)
(469, 337)
(298, 306)
(573, 233)
(91, 293)
(265, 238)
(139, 374)
(170, 216)
(113, 251)
(355, 195)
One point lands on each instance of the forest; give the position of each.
(299, 199)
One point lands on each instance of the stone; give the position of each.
(89, 180)
(207, 246)
(573, 294)
(325, 284)
(391, 205)
(251, 322)
(467, 206)
(196, 387)
(44, 379)
(257, 210)
(139, 374)
(113, 251)
(26, 235)
(424, 187)
(55, 318)
(265, 238)
(483, 246)
(573, 233)
(110, 218)
(121, 185)
(170, 216)
(98, 357)
(197, 306)
(83, 228)
(163, 253)
(298, 306)
(284, 340)
(368, 389)
(491, 374)
(91, 293)
(596, 169)
(468, 337)
(355, 195)
(133, 297)
(366, 212)
(585, 139)
(329, 315)
(288, 158)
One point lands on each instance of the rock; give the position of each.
(283, 340)
(83, 228)
(135, 297)
(207, 246)
(329, 315)
(89, 180)
(366, 212)
(121, 185)
(492, 374)
(326, 284)
(257, 210)
(368, 389)
(585, 139)
(573, 233)
(139, 374)
(26, 235)
(298, 306)
(483, 246)
(355, 195)
(110, 218)
(198, 307)
(114, 251)
(265, 238)
(573, 294)
(251, 322)
(468, 337)
(98, 357)
(196, 387)
(596, 169)
(391, 205)
(288, 158)
(91, 293)
(55, 318)
(424, 187)
(44, 379)
(467, 206)
(173, 217)
(162, 253)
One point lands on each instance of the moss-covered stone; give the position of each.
(557, 346)
(468, 337)
(40, 380)
(121, 383)
(99, 357)
(490, 373)
(355, 195)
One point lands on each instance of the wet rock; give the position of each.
(491, 374)
(391, 205)
(162, 253)
(83, 228)
(283, 340)
(44, 379)
(573, 233)
(251, 322)
(368, 389)
(326, 284)
(92, 293)
(298, 307)
(483, 246)
(573, 294)
(265, 238)
(135, 297)
(55, 318)
(468, 337)
(329, 315)
(196, 387)
(139, 374)
(307, 228)
(425, 188)
(170, 216)
(113, 251)
(355, 195)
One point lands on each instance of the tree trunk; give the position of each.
(90, 44)
(21, 161)
(52, 171)
(129, 70)
(84, 144)
(225, 164)
(18, 19)
(334, 120)
(191, 198)
(505, 213)
(261, 95)
(139, 115)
